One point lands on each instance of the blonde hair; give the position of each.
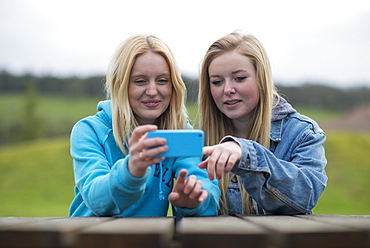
(117, 83)
(215, 124)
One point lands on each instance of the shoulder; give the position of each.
(304, 121)
(297, 125)
(99, 124)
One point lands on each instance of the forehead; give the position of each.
(231, 60)
(150, 61)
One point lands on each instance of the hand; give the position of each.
(187, 193)
(140, 156)
(222, 158)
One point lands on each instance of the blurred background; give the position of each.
(54, 55)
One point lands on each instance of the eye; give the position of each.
(216, 82)
(163, 81)
(140, 81)
(240, 79)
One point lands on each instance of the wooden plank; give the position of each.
(43, 232)
(220, 232)
(361, 223)
(6, 222)
(290, 231)
(129, 232)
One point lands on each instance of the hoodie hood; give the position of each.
(281, 109)
(105, 108)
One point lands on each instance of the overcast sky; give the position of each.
(327, 41)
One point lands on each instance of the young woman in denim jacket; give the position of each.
(116, 173)
(275, 155)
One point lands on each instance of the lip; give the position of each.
(232, 102)
(151, 103)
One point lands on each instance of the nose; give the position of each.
(229, 88)
(151, 89)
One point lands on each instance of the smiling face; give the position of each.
(150, 87)
(234, 86)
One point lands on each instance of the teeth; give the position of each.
(232, 102)
(151, 103)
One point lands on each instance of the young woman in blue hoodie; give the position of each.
(275, 155)
(115, 172)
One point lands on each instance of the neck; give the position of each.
(242, 129)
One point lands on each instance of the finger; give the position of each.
(182, 176)
(210, 170)
(153, 142)
(152, 152)
(221, 163)
(212, 164)
(173, 197)
(203, 164)
(207, 150)
(230, 163)
(189, 184)
(142, 130)
(135, 142)
(203, 196)
(197, 189)
(180, 182)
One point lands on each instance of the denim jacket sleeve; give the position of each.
(290, 177)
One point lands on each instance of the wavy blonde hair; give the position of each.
(117, 83)
(215, 124)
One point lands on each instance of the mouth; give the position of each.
(151, 103)
(232, 102)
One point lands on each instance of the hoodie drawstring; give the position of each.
(161, 196)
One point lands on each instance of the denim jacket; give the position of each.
(289, 177)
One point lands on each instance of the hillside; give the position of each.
(357, 119)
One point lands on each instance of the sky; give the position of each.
(321, 41)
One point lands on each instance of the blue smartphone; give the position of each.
(181, 142)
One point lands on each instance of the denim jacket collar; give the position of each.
(280, 111)
(276, 130)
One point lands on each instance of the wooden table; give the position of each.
(214, 232)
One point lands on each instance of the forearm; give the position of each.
(279, 186)
(108, 193)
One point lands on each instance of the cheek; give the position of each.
(215, 93)
(132, 94)
(168, 91)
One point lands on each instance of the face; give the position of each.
(150, 87)
(234, 86)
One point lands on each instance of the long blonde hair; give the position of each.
(117, 83)
(215, 124)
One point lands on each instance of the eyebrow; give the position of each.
(233, 73)
(238, 71)
(143, 75)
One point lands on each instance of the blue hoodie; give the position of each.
(104, 186)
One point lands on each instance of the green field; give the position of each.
(36, 177)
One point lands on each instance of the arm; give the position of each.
(105, 184)
(290, 183)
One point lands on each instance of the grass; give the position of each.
(348, 170)
(36, 178)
